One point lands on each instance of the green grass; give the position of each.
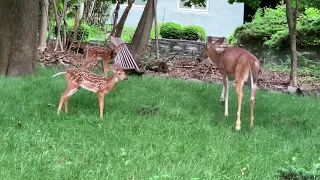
(184, 136)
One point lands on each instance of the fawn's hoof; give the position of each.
(238, 127)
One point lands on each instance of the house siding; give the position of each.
(220, 19)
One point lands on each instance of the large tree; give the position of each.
(18, 37)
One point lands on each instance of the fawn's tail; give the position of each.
(59, 73)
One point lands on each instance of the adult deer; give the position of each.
(79, 78)
(237, 63)
(104, 53)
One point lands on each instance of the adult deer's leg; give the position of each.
(101, 103)
(253, 92)
(225, 93)
(239, 85)
(253, 78)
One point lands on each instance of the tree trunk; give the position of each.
(58, 26)
(64, 17)
(115, 17)
(44, 25)
(141, 36)
(18, 37)
(115, 13)
(75, 27)
(156, 28)
(119, 27)
(292, 23)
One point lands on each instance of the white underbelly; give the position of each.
(89, 89)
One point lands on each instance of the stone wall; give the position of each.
(170, 47)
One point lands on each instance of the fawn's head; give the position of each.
(210, 47)
(119, 73)
(115, 50)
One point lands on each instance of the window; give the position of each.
(181, 6)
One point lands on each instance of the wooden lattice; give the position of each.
(124, 58)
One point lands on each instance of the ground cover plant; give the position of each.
(154, 128)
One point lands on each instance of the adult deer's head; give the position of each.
(211, 47)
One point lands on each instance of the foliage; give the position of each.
(271, 29)
(171, 30)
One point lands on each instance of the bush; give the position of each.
(193, 33)
(171, 30)
(190, 33)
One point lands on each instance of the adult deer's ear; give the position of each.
(220, 41)
(209, 39)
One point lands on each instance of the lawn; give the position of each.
(153, 128)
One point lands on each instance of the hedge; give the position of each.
(173, 30)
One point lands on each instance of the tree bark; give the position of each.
(44, 25)
(119, 27)
(18, 37)
(292, 23)
(141, 36)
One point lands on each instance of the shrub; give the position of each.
(190, 33)
(193, 33)
(171, 30)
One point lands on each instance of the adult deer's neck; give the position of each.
(215, 55)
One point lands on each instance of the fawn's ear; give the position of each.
(209, 39)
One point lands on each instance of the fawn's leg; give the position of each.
(101, 103)
(105, 66)
(89, 59)
(64, 97)
(225, 94)
(66, 104)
